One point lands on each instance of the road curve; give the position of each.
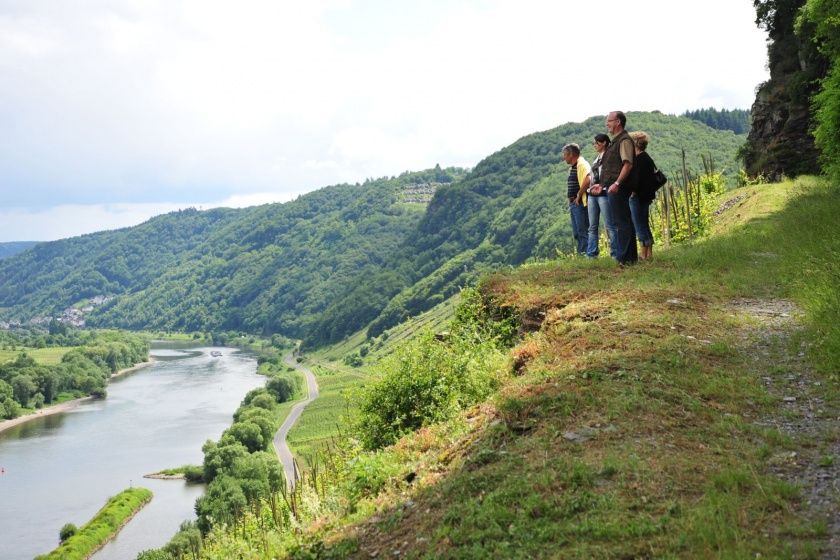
(283, 452)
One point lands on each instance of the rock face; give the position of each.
(780, 142)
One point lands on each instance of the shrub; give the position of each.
(428, 380)
(67, 531)
(283, 387)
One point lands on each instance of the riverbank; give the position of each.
(103, 527)
(66, 405)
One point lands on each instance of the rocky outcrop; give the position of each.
(780, 141)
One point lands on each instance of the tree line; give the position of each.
(736, 120)
(84, 369)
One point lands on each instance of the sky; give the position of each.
(113, 111)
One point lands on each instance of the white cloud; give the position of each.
(132, 101)
(69, 220)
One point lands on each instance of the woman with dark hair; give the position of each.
(598, 202)
(643, 195)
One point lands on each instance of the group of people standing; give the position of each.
(618, 186)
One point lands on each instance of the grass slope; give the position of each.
(638, 425)
(339, 383)
(44, 356)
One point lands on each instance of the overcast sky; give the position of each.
(112, 111)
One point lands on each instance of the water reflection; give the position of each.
(62, 468)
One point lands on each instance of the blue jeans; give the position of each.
(626, 251)
(580, 225)
(640, 211)
(599, 206)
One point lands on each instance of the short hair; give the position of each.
(641, 139)
(622, 118)
(603, 139)
(573, 149)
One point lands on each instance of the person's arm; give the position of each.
(587, 179)
(626, 167)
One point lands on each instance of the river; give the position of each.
(62, 468)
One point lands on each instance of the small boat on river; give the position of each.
(215, 353)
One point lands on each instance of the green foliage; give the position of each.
(104, 525)
(10, 248)
(67, 531)
(736, 120)
(82, 370)
(284, 387)
(432, 377)
(325, 265)
(781, 141)
(367, 474)
(510, 207)
(690, 208)
(819, 21)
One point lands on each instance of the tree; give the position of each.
(281, 387)
(224, 502)
(219, 457)
(9, 408)
(23, 388)
(819, 20)
(248, 434)
(67, 531)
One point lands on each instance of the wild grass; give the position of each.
(631, 428)
(383, 345)
(104, 525)
(629, 425)
(44, 356)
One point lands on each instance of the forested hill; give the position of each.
(9, 248)
(511, 208)
(337, 259)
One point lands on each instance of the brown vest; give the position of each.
(612, 162)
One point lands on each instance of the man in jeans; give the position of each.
(578, 182)
(616, 178)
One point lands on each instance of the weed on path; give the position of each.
(806, 416)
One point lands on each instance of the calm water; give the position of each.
(62, 468)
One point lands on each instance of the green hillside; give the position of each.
(325, 265)
(9, 248)
(682, 408)
(511, 208)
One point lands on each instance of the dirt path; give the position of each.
(283, 452)
(806, 413)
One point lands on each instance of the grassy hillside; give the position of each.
(654, 414)
(326, 265)
(682, 408)
(511, 206)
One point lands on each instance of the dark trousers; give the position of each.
(625, 235)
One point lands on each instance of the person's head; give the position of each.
(571, 153)
(615, 122)
(641, 139)
(601, 142)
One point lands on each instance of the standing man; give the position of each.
(579, 177)
(615, 177)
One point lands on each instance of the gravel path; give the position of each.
(283, 452)
(804, 413)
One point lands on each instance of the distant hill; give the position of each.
(9, 248)
(736, 120)
(510, 207)
(330, 262)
